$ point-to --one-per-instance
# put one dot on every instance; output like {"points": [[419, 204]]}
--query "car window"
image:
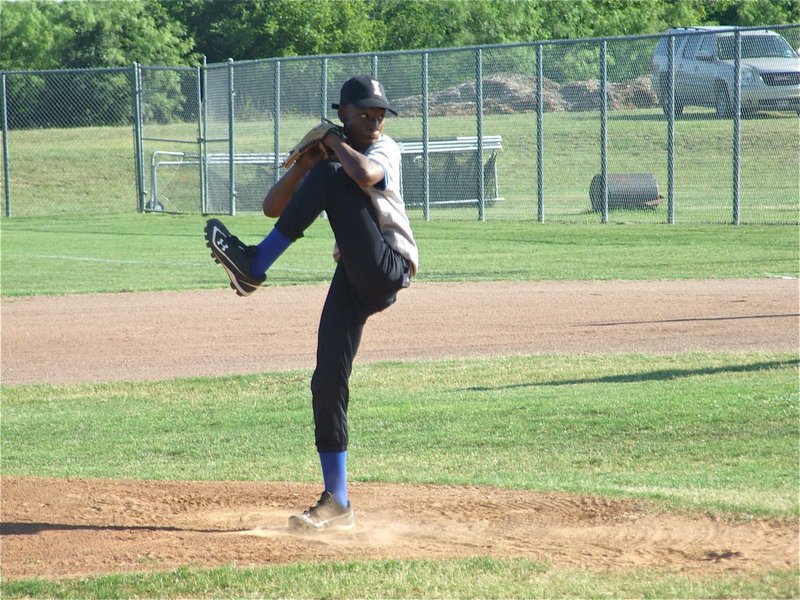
{"points": [[755, 46], [707, 44], [691, 46]]}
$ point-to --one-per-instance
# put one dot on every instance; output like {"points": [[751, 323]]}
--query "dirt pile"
{"points": [[508, 93]]}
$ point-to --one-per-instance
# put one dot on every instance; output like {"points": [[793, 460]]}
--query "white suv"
{"points": [[704, 69]]}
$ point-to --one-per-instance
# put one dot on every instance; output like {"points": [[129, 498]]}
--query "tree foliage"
{"points": [[43, 34], [27, 36], [269, 28], [410, 24]]}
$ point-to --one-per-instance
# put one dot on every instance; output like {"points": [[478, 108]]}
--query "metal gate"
{"points": [[169, 150], [199, 161]]}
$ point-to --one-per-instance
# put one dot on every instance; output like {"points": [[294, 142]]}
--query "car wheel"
{"points": [[722, 102]]}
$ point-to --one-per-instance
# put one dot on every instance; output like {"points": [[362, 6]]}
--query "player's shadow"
{"points": [[10, 528], [657, 375]]}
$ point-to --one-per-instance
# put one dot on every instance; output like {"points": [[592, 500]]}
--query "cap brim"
{"points": [[370, 104]]}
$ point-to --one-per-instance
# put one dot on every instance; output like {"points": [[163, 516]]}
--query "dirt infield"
{"points": [[57, 528], [151, 336]]}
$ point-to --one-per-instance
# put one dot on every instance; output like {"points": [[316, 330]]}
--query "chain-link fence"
{"points": [[699, 125], [67, 142]]}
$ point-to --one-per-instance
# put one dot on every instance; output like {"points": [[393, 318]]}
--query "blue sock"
{"points": [[268, 251], [334, 473]]}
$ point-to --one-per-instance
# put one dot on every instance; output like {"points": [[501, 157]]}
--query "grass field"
{"points": [[619, 426], [80, 254], [49, 168], [616, 425], [474, 578], [612, 425]]}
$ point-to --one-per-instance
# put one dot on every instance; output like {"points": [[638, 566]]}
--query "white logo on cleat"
{"points": [[220, 243]]}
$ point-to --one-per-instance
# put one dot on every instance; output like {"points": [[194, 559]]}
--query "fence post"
{"points": [[603, 128], [276, 124], [138, 145], [324, 86], [426, 165], [231, 141], [200, 74], [671, 133], [737, 117], [479, 111], [539, 135], [6, 160], [202, 123]]}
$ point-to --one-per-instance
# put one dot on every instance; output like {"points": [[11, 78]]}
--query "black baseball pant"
{"points": [[366, 281]]}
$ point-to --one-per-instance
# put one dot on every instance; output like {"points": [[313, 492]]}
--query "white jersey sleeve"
{"points": [[388, 201]]}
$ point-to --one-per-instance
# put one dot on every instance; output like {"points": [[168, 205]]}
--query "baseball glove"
{"points": [[313, 139]]}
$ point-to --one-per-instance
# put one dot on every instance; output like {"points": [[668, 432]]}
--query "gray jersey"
{"points": [[388, 202]]}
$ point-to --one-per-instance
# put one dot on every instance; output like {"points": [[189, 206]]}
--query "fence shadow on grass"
{"points": [[658, 375], [693, 319]]}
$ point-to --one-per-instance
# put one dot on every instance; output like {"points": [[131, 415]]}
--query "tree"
{"points": [[27, 36], [120, 33], [754, 12], [39, 34], [44, 34], [274, 28], [416, 24]]}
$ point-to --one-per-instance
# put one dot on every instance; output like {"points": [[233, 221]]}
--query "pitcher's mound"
{"points": [[63, 528]]}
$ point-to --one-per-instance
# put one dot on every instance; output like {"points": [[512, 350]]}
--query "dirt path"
{"points": [[151, 336], [57, 528]]}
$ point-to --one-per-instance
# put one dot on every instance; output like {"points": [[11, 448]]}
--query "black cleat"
{"points": [[234, 256], [326, 515]]}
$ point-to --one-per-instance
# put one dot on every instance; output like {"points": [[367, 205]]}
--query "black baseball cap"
{"points": [[365, 92]]}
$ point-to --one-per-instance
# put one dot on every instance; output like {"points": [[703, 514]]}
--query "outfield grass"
{"points": [[446, 579], [81, 254], [692, 432], [702, 431]]}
